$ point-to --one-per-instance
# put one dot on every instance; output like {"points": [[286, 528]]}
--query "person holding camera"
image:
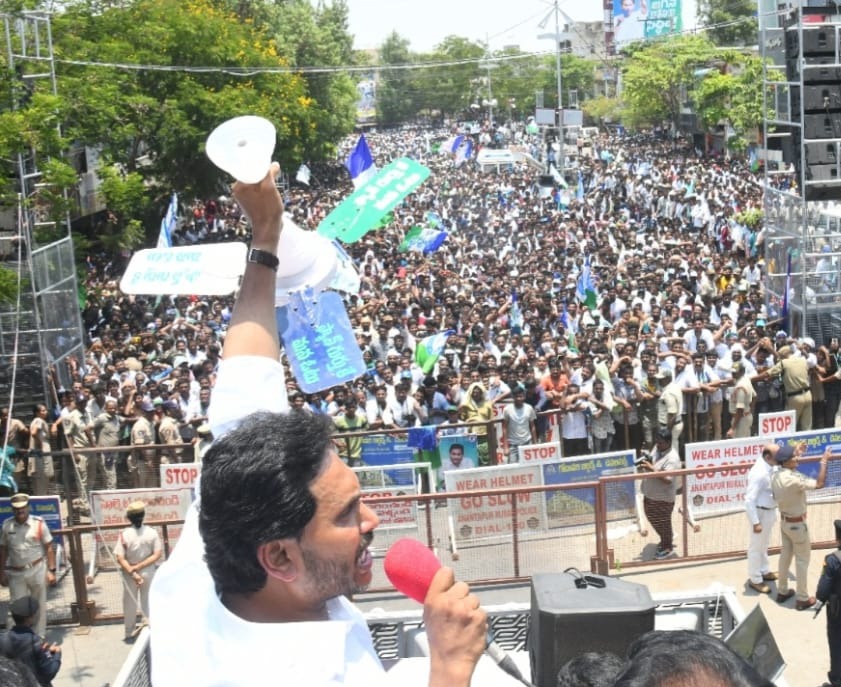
{"points": [[659, 492]]}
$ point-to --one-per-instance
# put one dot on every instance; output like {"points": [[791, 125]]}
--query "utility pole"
{"points": [[561, 153], [557, 38]]}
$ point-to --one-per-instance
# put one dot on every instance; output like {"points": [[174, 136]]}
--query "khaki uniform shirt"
{"points": [[742, 396], [169, 434], [795, 372], [136, 545], [143, 433], [789, 488], [669, 403], [24, 542]]}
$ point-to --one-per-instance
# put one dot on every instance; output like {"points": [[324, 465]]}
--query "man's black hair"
{"points": [[591, 669], [255, 488], [690, 659]]}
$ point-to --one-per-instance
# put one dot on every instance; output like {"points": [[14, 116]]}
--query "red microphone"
{"points": [[410, 567]]}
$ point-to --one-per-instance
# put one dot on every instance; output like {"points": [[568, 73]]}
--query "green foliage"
{"points": [[448, 89], [751, 218], [126, 198], [734, 97], [319, 36], [730, 22], [8, 285], [602, 109], [395, 95], [656, 74], [166, 115]]}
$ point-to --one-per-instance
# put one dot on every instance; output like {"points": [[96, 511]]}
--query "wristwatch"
{"points": [[263, 257]]}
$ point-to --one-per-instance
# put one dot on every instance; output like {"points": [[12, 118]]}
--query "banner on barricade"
{"points": [[394, 514], [457, 452], [782, 422], [389, 449], [478, 518], [576, 507], [489, 517], [46, 507], [180, 475], [109, 508], [722, 491]]}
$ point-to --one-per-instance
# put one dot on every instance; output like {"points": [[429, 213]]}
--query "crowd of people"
{"points": [[672, 329]]}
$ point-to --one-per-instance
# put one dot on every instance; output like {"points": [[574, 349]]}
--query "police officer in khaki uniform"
{"points": [[795, 375], [143, 462], [27, 557], [742, 398], [789, 488], [138, 551]]}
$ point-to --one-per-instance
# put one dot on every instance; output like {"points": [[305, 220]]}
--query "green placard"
{"points": [[362, 211]]}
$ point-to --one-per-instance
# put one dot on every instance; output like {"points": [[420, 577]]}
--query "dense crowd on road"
{"points": [[631, 301]]}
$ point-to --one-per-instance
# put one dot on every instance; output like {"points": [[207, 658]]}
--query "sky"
{"points": [[425, 23]]}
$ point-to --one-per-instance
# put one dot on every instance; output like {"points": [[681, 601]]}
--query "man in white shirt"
{"points": [[285, 535], [761, 510]]}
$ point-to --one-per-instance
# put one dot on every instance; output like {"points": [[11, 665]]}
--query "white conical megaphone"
{"points": [[243, 147], [306, 260]]}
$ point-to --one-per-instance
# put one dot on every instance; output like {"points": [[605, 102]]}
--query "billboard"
{"points": [[366, 104], [634, 20]]}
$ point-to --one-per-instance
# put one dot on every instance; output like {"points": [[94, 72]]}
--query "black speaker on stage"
{"points": [[820, 98], [816, 41], [573, 613], [826, 125], [822, 153], [815, 70]]}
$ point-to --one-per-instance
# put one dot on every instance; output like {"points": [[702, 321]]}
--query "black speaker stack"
{"points": [[573, 613], [812, 56]]}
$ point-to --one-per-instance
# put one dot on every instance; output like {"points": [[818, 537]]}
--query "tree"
{"points": [[729, 22], [657, 74], [449, 88], [319, 36], [732, 94], [602, 109], [396, 96], [166, 114]]}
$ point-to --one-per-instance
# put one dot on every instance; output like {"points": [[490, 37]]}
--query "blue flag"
{"points": [[168, 223], [579, 191], [360, 163]]}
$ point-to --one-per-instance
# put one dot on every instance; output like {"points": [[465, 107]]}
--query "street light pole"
{"points": [[561, 154], [557, 38]]}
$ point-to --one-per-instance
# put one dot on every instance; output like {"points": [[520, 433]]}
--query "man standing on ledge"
{"points": [[789, 488], [762, 512], [283, 529]]}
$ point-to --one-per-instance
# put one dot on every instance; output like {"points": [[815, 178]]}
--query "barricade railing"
{"points": [[479, 533]]}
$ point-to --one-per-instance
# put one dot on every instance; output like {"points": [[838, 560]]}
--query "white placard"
{"points": [[208, 270], [174, 475], [782, 422]]}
